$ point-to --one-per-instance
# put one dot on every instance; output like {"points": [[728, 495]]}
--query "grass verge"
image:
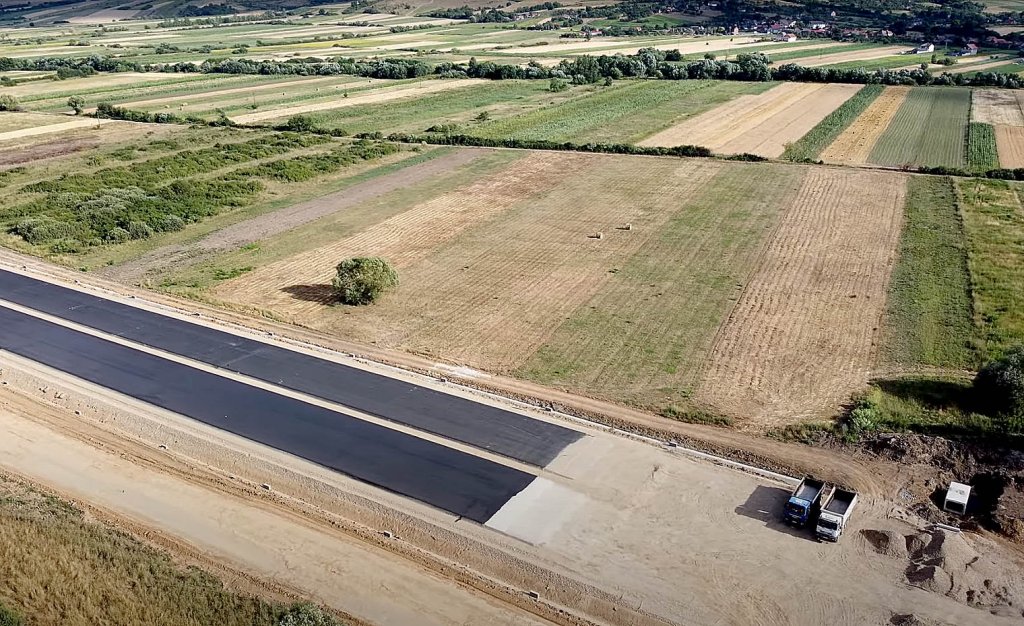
{"points": [[929, 316], [814, 142], [60, 567]]}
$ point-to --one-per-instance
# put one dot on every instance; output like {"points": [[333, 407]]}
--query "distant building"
{"points": [[818, 25], [969, 50], [885, 33], [925, 48], [787, 37]]}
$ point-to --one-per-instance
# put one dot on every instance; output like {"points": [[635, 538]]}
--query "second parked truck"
{"points": [[835, 514]]}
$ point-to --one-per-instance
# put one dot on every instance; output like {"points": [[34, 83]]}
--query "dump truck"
{"points": [[805, 502], [835, 514]]}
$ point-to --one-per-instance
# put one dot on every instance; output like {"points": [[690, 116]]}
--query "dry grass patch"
{"points": [[49, 129], [761, 124], [869, 54], [854, 146], [805, 331], [641, 338]]}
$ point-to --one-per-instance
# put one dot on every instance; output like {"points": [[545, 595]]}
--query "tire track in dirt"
{"points": [[803, 334], [854, 145]]}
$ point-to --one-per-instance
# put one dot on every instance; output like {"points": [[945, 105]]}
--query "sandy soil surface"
{"points": [[855, 144], [858, 55], [270, 224], [1010, 145], [779, 355], [49, 129], [997, 106], [761, 124], [426, 87]]}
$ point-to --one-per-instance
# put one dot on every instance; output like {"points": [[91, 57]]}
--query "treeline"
{"points": [[647, 63], [108, 111], [540, 144]]}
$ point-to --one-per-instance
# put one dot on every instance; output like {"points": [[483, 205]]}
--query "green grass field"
{"points": [[994, 223], [929, 316], [929, 129], [981, 147]]}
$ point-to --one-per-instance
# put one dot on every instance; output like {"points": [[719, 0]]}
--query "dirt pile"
{"points": [[995, 474], [948, 564]]}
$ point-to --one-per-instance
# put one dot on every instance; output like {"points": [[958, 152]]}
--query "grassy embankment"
{"points": [[58, 566], [825, 132]]}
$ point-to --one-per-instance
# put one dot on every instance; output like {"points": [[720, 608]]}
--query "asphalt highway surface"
{"points": [[452, 480], [490, 428]]}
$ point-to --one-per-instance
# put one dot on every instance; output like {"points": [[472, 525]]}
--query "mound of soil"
{"points": [[887, 542]]}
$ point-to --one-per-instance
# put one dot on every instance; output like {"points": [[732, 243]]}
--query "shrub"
{"points": [[77, 104], [307, 615], [117, 235], [43, 229], [361, 280], [999, 386], [140, 230], [300, 124], [9, 103], [172, 223]]}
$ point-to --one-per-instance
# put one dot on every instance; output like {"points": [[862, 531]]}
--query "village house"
{"points": [[925, 48]]}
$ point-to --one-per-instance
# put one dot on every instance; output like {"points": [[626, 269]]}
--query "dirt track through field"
{"points": [[996, 106], [980, 67], [1010, 145], [803, 334], [421, 89], [761, 124], [858, 55], [49, 129], [854, 145]]}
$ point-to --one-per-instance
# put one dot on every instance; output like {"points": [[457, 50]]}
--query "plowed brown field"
{"points": [[803, 334], [1010, 145], [854, 145], [761, 124]]}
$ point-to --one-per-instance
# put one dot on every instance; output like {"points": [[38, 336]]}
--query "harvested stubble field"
{"points": [[1004, 110], [929, 129], [761, 124], [500, 272], [804, 333], [855, 144], [868, 54]]}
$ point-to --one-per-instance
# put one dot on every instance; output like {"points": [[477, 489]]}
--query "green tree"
{"points": [[557, 84], [999, 387], [9, 103], [307, 615], [77, 104], [361, 280], [300, 124]]}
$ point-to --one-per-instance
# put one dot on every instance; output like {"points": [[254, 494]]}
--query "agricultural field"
{"points": [[763, 124], [1003, 111]]}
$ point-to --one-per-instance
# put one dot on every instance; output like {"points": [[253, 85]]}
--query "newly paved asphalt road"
{"points": [[503, 432], [449, 479]]}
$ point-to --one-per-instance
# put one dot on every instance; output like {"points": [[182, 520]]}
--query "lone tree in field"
{"points": [[77, 103], [362, 280], [999, 387]]}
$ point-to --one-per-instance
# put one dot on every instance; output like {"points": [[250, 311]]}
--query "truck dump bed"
{"points": [[809, 489], [840, 502]]}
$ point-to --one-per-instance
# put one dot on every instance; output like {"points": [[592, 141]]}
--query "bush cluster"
{"points": [[540, 144], [361, 280]]}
